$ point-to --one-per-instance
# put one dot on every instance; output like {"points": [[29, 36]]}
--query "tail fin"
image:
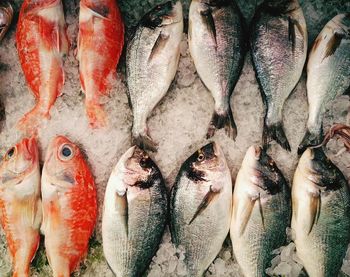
{"points": [[32, 120], [96, 115], [219, 121], [276, 132], [309, 140], [145, 142]]}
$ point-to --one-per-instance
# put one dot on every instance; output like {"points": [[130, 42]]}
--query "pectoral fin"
{"points": [[292, 25], [314, 211], [158, 46], [205, 203], [209, 22], [121, 207], [333, 44], [99, 11], [243, 210]]}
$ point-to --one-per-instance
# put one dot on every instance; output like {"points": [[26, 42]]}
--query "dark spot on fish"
{"points": [[333, 44], [154, 176]]}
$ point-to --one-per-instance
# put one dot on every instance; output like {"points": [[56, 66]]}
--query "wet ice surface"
{"points": [[179, 123]]}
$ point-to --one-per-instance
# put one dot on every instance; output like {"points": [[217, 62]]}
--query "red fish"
{"points": [[41, 43], [100, 43], [20, 204], [69, 206]]}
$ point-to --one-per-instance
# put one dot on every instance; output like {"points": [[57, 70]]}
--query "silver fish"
{"points": [[278, 43], [134, 214], [215, 37], [321, 214], [151, 62], [328, 74], [6, 15], [200, 207], [261, 212]]}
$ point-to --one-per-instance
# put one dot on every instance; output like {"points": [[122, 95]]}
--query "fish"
{"points": [[135, 213], [100, 44], [217, 47], [321, 214], [152, 57], [20, 204], [261, 212], [69, 205], [328, 74], [42, 44], [6, 16], [200, 207], [278, 44]]}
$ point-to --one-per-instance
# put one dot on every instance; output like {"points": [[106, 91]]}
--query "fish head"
{"points": [[18, 162], [263, 170], [64, 162], [6, 15], [206, 161], [139, 169], [318, 168], [164, 14]]}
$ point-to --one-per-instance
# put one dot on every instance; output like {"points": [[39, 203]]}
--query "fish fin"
{"points": [[145, 142], [315, 206], [291, 32], [96, 114], [121, 206], [99, 11], [219, 121], [158, 46], [261, 213], [32, 120], [205, 203], [209, 22], [333, 44], [242, 214], [275, 132], [309, 140]]}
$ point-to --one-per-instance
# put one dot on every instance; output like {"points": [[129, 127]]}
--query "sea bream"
{"points": [[261, 212], [321, 214], [216, 43], [41, 43], [200, 207], [328, 74], [20, 204], [278, 43], [152, 57], [134, 214], [69, 206], [100, 43]]}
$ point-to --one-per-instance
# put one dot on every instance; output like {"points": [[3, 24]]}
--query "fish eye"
{"points": [[10, 153], [143, 162], [200, 157], [66, 152]]}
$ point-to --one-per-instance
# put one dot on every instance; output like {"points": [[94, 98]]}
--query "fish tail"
{"points": [[219, 121], [96, 115], [275, 132], [145, 142], [309, 139], [33, 119]]}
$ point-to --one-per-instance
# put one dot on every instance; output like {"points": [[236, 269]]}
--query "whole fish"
{"points": [[41, 43], [69, 206], [261, 212], [20, 204], [321, 214], [215, 38], [6, 15], [152, 57], [134, 214], [278, 42], [100, 43], [328, 74], [200, 207]]}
